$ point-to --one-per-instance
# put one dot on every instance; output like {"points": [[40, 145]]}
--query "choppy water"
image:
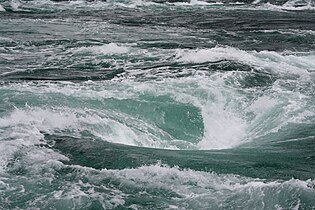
{"points": [[133, 104]]}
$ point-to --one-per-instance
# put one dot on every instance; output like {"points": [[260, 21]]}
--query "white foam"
{"points": [[136, 3], [298, 32], [44, 120], [197, 190], [15, 4], [222, 129], [176, 187], [288, 6], [294, 5], [279, 107], [264, 60], [224, 109], [1, 8], [67, 193], [224, 126], [196, 2], [23, 129], [256, 2], [237, 3], [262, 104], [107, 49]]}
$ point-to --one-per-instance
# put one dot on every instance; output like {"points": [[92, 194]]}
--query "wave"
{"points": [[292, 5], [2, 9], [264, 60], [194, 3], [217, 108], [44, 6], [195, 189], [272, 7], [47, 5], [202, 189], [107, 49], [220, 98], [223, 128], [33, 123], [161, 186], [296, 32], [214, 110]]}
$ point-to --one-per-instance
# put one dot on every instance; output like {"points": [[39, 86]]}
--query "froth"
{"points": [[22, 129], [264, 60], [15, 4], [170, 187], [293, 5], [107, 49], [228, 115], [198, 189], [223, 130], [223, 127], [1, 8]]}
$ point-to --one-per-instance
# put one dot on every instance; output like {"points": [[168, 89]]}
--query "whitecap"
{"points": [[264, 60], [1, 8], [107, 49], [291, 5]]}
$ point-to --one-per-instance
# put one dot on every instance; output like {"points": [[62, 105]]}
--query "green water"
{"points": [[144, 105]]}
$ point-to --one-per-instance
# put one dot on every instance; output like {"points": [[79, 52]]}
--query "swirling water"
{"points": [[134, 104]]}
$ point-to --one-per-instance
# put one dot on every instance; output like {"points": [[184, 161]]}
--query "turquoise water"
{"points": [[145, 105]]}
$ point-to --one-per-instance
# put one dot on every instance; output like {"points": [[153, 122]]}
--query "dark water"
{"points": [[144, 105]]}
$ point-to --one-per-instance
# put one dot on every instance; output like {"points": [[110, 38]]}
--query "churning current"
{"points": [[157, 104]]}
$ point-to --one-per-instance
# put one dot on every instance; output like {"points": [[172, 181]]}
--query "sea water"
{"points": [[134, 104]]}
